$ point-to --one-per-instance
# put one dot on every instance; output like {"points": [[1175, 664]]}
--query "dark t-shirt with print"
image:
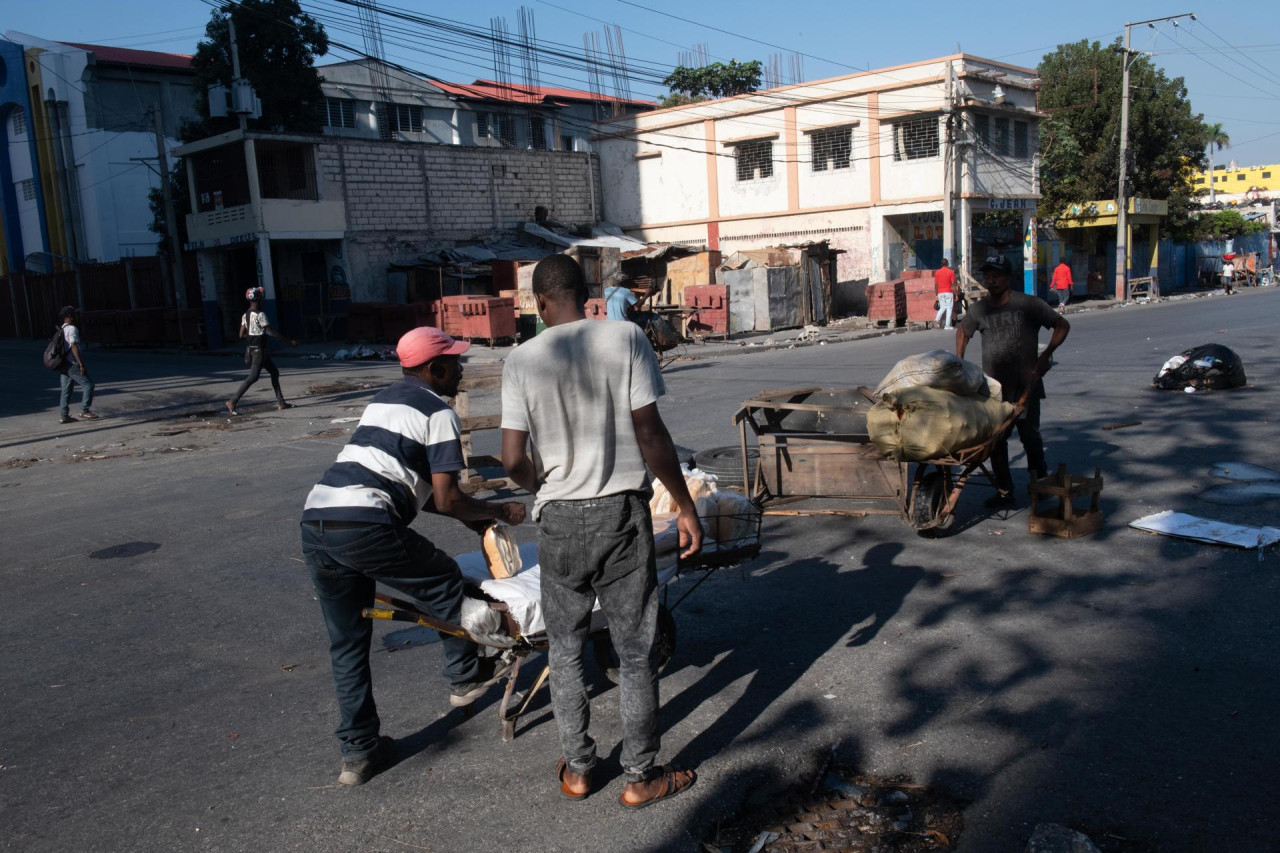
{"points": [[1010, 335]]}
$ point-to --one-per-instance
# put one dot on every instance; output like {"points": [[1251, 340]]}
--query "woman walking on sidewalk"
{"points": [[255, 326]]}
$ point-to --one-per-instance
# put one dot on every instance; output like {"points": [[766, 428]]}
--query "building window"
{"points": [[498, 126], [28, 189], [1199, 180], [982, 128], [537, 133], [1239, 177], [1000, 136], [754, 160], [566, 143], [403, 118], [1021, 140], [19, 122], [338, 112], [831, 148], [916, 139], [1266, 175]]}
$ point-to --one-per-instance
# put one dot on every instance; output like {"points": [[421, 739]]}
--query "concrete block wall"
{"points": [[457, 193]]}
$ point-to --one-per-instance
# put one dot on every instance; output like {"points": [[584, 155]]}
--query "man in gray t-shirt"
{"points": [[579, 424], [1010, 325]]}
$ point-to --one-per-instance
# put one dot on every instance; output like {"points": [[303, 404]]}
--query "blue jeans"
{"points": [[602, 548], [72, 375], [345, 565]]}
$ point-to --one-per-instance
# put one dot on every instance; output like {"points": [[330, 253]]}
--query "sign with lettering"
{"points": [[1010, 203]]}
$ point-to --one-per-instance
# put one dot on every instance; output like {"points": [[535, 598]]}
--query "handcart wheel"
{"points": [[665, 643], [928, 501]]}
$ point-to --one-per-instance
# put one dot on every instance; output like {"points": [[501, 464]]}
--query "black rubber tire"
{"points": [[665, 641], [726, 464], [927, 500]]}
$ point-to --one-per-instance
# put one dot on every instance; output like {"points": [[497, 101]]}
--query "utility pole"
{"points": [[948, 174], [1122, 201], [170, 215], [235, 65]]}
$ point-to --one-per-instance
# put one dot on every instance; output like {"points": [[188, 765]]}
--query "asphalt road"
{"points": [[165, 683]]}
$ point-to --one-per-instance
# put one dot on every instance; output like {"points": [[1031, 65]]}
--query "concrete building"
{"points": [[893, 166], [1234, 184], [317, 220], [369, 99], [76, 130]]}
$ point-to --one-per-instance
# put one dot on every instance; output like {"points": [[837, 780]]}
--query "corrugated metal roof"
{"points": [[129, 56]]}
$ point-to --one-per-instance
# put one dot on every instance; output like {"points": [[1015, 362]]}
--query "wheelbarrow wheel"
{"points": [[928, 501], [664, 641]]}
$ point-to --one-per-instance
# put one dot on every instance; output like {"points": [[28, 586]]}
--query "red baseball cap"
{"points": [[420, 345]]}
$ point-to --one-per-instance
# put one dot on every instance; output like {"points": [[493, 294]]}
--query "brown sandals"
{"points": [[674, 782], [567, 792]]}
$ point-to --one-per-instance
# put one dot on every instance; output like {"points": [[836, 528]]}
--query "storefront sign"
{"points": [[219, 241], [1011, 204]]}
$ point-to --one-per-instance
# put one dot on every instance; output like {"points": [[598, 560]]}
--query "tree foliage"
{"points": [[1224, 224], [1080, 140], [278, 44], [716, 80], [181, 204]]}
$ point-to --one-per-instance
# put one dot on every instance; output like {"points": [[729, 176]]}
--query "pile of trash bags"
{"points": [[1209, 367], [934, 405]]}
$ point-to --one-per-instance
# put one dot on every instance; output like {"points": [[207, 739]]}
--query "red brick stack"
{"points": [[920, 295], [711, 302], [887, 302]]}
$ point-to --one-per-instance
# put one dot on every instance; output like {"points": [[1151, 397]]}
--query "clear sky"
{"points": [[1230, 57]]}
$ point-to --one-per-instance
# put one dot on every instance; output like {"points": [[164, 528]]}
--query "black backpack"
{"points": [[55, 354]]}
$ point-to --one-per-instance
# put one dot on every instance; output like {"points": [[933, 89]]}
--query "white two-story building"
{"points": [[876, 162]]}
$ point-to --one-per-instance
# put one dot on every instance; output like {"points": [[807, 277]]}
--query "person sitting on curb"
{"points": [[255, 326], [74, 371]]}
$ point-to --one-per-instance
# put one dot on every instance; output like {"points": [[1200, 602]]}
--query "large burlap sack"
{"points": [[939, 369], [922, 423]]}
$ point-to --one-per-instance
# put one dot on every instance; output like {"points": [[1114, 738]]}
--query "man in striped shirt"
{"points": [[406, 453]]}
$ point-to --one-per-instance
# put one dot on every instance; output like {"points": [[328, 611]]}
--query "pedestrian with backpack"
{"points": [[65, 356], [255, 326]]}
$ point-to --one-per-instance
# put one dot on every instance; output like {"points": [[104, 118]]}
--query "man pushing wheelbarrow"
{"points": [[1010, 325]]}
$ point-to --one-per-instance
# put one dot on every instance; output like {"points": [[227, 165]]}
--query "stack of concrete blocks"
{"points": [[919, 291]]}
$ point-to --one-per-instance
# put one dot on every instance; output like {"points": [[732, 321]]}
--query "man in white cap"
{"points": [[405, 454]]}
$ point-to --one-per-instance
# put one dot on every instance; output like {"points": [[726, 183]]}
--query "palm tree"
{"points": [[1218, 139]]}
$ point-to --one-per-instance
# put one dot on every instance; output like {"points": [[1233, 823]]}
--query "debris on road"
{"points": [[847, 812], [1124, 425], [1180, 525], [1208, 367]]}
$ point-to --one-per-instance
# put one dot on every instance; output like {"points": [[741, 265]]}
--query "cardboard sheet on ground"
{"points": [[1180, 525]]}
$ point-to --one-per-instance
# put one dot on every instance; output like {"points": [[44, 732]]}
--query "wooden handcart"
{"points": [[813, 443]]}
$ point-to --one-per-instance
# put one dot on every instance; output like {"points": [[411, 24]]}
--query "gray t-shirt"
{"points": [[573, 389], [1010, 336]]}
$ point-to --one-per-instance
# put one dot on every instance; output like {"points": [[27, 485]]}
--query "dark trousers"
{"points": [[345, 563], [1028, 427], [261, 361], [71, 375], [602, 548]]}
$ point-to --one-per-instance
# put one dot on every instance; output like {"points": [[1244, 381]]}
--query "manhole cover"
{"points": [[846, 812], [128, 549]]}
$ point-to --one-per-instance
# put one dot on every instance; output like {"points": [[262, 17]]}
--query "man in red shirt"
{"points": [[944, 284], [1062, 284]]}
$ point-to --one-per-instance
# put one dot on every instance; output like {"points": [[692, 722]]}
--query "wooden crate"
{"points": [[1064, 518]]}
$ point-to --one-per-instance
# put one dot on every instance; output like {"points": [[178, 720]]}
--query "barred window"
{"points": [[405, 118], [916, 139], [338, 112], [754, 159], [982, 128], [28, 189], [19, 122], [1000, 136], [537, 133], [831, 148], [498, 126], [1021, 138]]}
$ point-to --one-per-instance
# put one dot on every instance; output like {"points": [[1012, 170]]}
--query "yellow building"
{"points": [[1241, 180]]}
